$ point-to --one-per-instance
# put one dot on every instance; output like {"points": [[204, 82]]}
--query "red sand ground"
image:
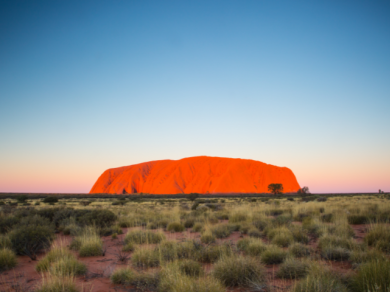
{"points": [[100, 268], [201, 174]]}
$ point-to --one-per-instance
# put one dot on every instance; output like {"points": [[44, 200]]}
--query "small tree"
{"points": [[193, 196], [276, 189], [303, 191], [22, 198]]}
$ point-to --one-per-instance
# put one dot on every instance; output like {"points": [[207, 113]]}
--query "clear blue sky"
{"points": [[90, 85]]}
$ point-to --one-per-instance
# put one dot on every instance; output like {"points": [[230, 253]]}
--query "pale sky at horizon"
{"points": [[91, 85]]}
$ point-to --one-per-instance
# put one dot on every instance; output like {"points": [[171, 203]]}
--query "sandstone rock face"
{"points": [[201, 174]]}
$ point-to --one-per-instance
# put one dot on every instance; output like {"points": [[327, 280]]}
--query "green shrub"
{"points": [[57, 284], [29, 239], [337, 241], [142, 237], [7, 259], [197, 227], [50, 200], [299, 234], [359, 256], [238, 216], [212, 253], [167, 250], [129, 246], [293, 269], [189, 223], [357, 219], [56, 253], [7, 223], [253, 232], [327, 217], [122, 276], [378, 233], [5, 242], [239, 271], [191, 268], [22, 198], [175, 227], [173, 279], [145, 258], [114, 236], [88, 243], [373, 276], [99, 218], [255, 247], [273, 255], [283, 239], [146, 280], [220, 230], [335, 253], [68, 267], [299, 250], [207, 237], [322, 281]]}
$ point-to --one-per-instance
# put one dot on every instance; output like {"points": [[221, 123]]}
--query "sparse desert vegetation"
{"points": [[308, 243]]}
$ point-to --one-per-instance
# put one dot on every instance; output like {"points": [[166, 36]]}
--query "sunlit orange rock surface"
{"points": [[201, 174]]}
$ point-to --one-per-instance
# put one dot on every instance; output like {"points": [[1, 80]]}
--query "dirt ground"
{"points": [[24, 278]]}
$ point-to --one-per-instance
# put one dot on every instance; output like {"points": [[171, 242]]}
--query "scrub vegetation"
{"points": [[297, 243]]}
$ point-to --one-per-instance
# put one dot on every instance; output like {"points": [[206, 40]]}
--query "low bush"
{"points": [[239, 271], [197, 227], [57, 284], [68, 267], [373, 276], [167, 250], [320, 281], [220, 230], [7, 259], [379, 234], [283, 239], [212, 253], [357, 219], [359, 256], [88, 243], [5, 242], [145, 258], [144, 237], [293, 269], [238, 216], [273, 255], [299, 250], [130, 246], [98, 218], [191, 268], [337, 241], [207, 237], [175, 227], [189, 222], [173, 279], [122, 276], [50, 200], [327, 217], [299, 234], [335, 253], [31, 235], [253, 232]]}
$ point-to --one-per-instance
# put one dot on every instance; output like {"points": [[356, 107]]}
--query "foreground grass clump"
{"points": [[251, 246], [293, 269], [320, 280], [379, 236], [146, 258], [173, 279], [61, 262], [299, 250], [144, 237], [373, 276], [7, 259], [58, 284], [88, 243], [273, 255], [122, 276], [239, 271], [175, 227], [191, 268]]}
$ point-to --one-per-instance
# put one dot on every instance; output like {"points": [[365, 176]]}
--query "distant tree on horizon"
{"points": [[304, 191], [276, 189]]}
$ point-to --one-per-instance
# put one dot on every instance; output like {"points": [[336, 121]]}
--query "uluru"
{"points": [[202, 174]]}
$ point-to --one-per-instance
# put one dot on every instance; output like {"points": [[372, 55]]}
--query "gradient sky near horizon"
{"points": [[91, 85]]}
